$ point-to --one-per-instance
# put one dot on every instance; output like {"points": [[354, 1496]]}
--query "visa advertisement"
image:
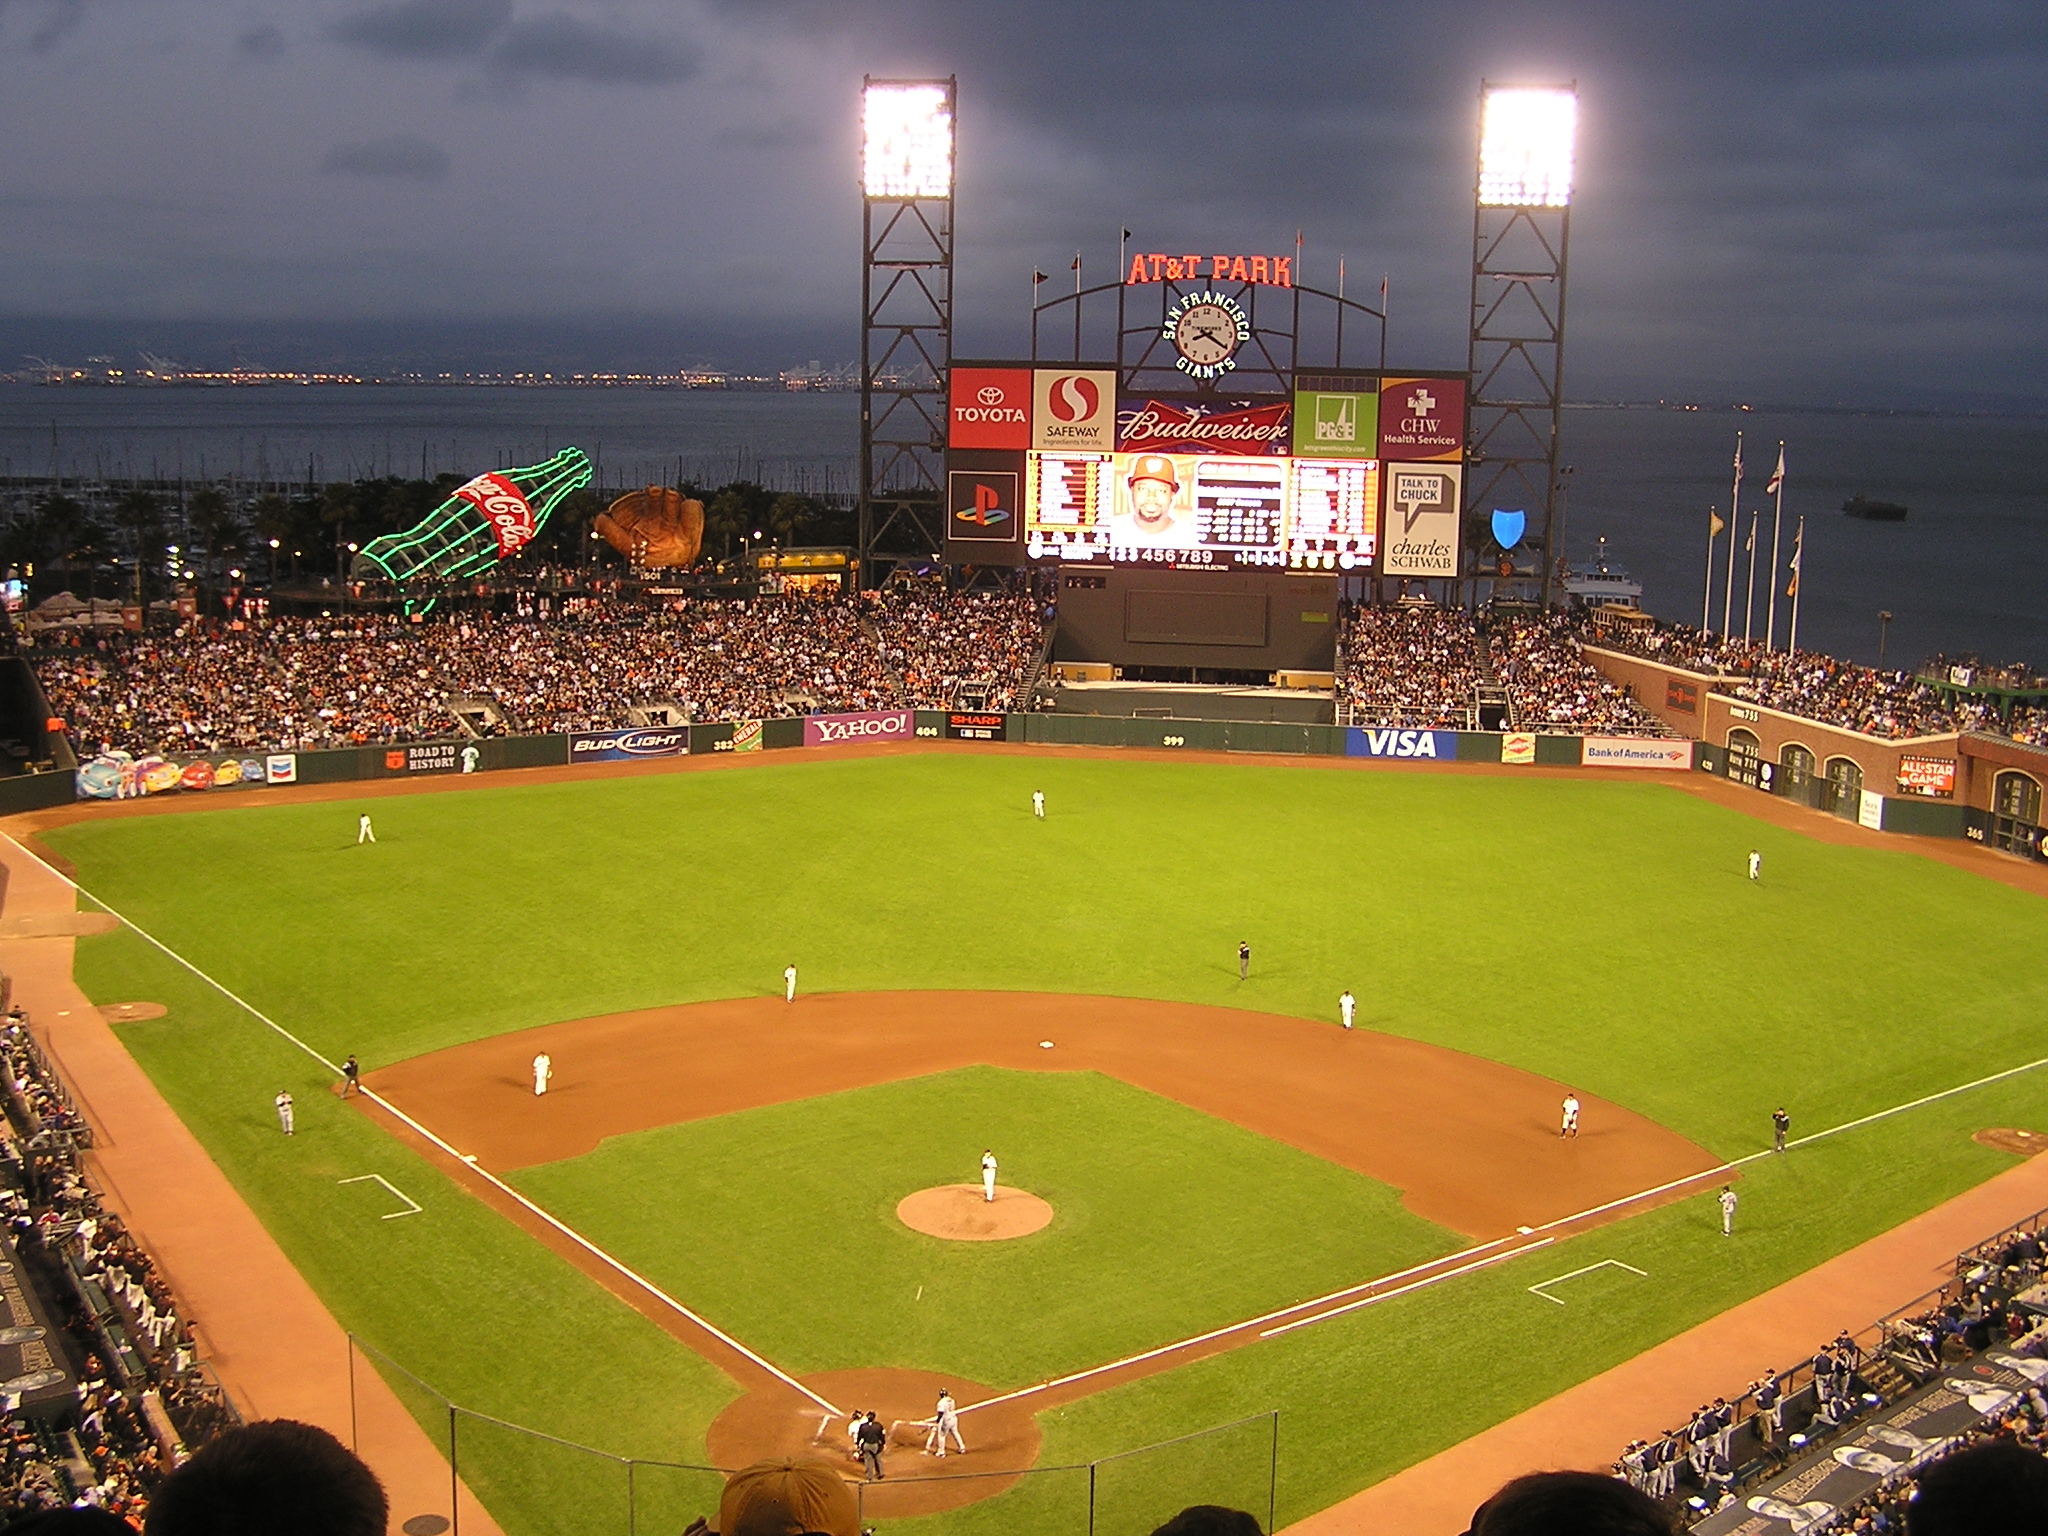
{"points": [[1427, 746]]}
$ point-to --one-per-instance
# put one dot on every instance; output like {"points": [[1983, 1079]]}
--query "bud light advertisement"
{"points": [[875, 725], [629, 746]]}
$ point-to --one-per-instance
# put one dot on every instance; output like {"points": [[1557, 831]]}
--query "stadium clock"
{"points": [[1206, 329]]}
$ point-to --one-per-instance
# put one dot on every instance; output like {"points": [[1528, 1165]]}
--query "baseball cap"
{"points": [[1154, 466], [788, 1496]]}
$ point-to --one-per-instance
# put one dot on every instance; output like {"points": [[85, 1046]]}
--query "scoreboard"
{"points": [[1186, 511]]}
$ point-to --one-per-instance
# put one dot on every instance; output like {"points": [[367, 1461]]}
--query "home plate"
{"points": [[1045, 1045]]}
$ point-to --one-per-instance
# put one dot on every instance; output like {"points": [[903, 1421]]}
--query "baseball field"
{"points": [[1215, 1151]]}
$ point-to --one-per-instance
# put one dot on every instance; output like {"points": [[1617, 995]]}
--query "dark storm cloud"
{"points": [[1793, 201], [425, 29], [402, 156], [264, 42], [51, 20], [567, 48]]}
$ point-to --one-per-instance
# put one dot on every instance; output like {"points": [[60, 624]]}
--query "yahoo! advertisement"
{"points": [[874, 725]]}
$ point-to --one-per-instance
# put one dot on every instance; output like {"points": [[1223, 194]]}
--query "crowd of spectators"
{"points": [[1412, 665], [1890, 704], [1555, 688], [287, 684], [1702, 1460], [141, 1393]]}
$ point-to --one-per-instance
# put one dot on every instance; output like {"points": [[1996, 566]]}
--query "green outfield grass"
{"points": [[1167, 1223], [1599, 932]]}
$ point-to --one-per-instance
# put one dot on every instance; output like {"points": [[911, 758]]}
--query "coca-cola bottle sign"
{"points": [[504, 508]]}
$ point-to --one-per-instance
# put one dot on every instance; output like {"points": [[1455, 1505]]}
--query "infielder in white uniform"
{"points": [[988, 1176], [1571, 1115], [945, 1421], [789, 982], [1727, 1211], [1346, 1006], [543, 1069], [284, 1110], [1038, 803], [363, 832]]}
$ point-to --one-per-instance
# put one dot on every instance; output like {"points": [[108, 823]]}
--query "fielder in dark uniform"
{"points": [[1244, 960], [1780, 1124], [351, 1077]]}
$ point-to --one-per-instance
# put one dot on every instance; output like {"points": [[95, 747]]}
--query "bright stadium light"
{"points": [[907, 139], [1525, 147]]}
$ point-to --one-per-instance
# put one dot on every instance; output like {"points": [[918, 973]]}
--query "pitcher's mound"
{"points": [[958, 1211], [2026, 1143]]}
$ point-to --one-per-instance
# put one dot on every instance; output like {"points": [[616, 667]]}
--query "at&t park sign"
{"points": [[1157, 266]]}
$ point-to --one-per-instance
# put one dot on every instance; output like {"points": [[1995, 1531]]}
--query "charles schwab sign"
{"points": [[875, 725]]}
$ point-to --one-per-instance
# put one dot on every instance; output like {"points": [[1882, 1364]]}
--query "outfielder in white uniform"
{"points": [[1346, 1006], [543, 1069], [1756, 863], [988, 1176], [1038, 803], [284, 1110], [363, 832], [789, 982], [1571, 1115]]}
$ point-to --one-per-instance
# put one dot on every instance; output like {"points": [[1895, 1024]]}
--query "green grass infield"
{"points": [[1601, 932]]}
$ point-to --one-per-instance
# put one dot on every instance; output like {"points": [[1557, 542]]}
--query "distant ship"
{"points": [[1875, 511], [1602, 583]]}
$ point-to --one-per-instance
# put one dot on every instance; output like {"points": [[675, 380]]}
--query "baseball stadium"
{"points": [[1196, 961]]}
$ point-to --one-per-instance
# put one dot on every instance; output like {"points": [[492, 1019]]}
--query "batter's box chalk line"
{"points": [[1543, 1291], [413, 1207]]}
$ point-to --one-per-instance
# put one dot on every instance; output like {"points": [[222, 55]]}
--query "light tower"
{"points": [[906, 306], [1521, 238]]}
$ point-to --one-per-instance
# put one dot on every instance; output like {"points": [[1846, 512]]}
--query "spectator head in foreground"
{"points": [[274, 1476], [788, 1496], [1987, 1490], [1209, 1520], [1570, 1504]]}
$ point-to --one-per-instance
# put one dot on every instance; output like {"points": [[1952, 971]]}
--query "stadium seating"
{"points": [[142, 1395], [295, 683]]}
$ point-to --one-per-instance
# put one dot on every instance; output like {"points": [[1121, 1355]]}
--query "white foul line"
{"points": [[467, 1161], [1538, 1290], [1412, 1285], [408, 1199]]}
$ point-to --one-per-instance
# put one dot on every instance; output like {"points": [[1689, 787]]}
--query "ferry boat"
{"points": [[1602, 582]]}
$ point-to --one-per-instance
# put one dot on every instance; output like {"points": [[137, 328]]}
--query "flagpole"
{"points": [[1777, 524], [1798, 571], [1707, 597], [1734, 522], [1749, 597]]}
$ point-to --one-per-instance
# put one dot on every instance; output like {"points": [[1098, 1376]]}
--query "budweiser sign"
{"points": [[1160, 428], [509, 513]]}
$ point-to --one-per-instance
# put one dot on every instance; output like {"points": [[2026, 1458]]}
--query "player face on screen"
{"points": [[1153, 512]]}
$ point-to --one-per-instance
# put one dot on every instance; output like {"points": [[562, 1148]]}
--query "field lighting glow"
{"points": [[906, 141], [1525, 148]]}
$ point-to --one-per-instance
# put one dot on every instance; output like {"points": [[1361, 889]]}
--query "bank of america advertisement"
{"points": [[1420, 536]]}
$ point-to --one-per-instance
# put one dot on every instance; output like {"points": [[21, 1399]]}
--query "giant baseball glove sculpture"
{"points": [[654, 527]]}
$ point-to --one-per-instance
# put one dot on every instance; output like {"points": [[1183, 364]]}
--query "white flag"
{"points": [[1797, 544], [1778, 474]]}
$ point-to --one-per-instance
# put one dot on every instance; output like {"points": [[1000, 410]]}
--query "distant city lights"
{"points": [[1525, 147]]}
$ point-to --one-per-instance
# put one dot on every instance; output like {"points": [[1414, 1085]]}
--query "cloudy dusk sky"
{"points": [[1808, 203]]}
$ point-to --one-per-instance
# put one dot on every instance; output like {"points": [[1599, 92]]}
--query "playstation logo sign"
{"points": [[981, 505]]}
